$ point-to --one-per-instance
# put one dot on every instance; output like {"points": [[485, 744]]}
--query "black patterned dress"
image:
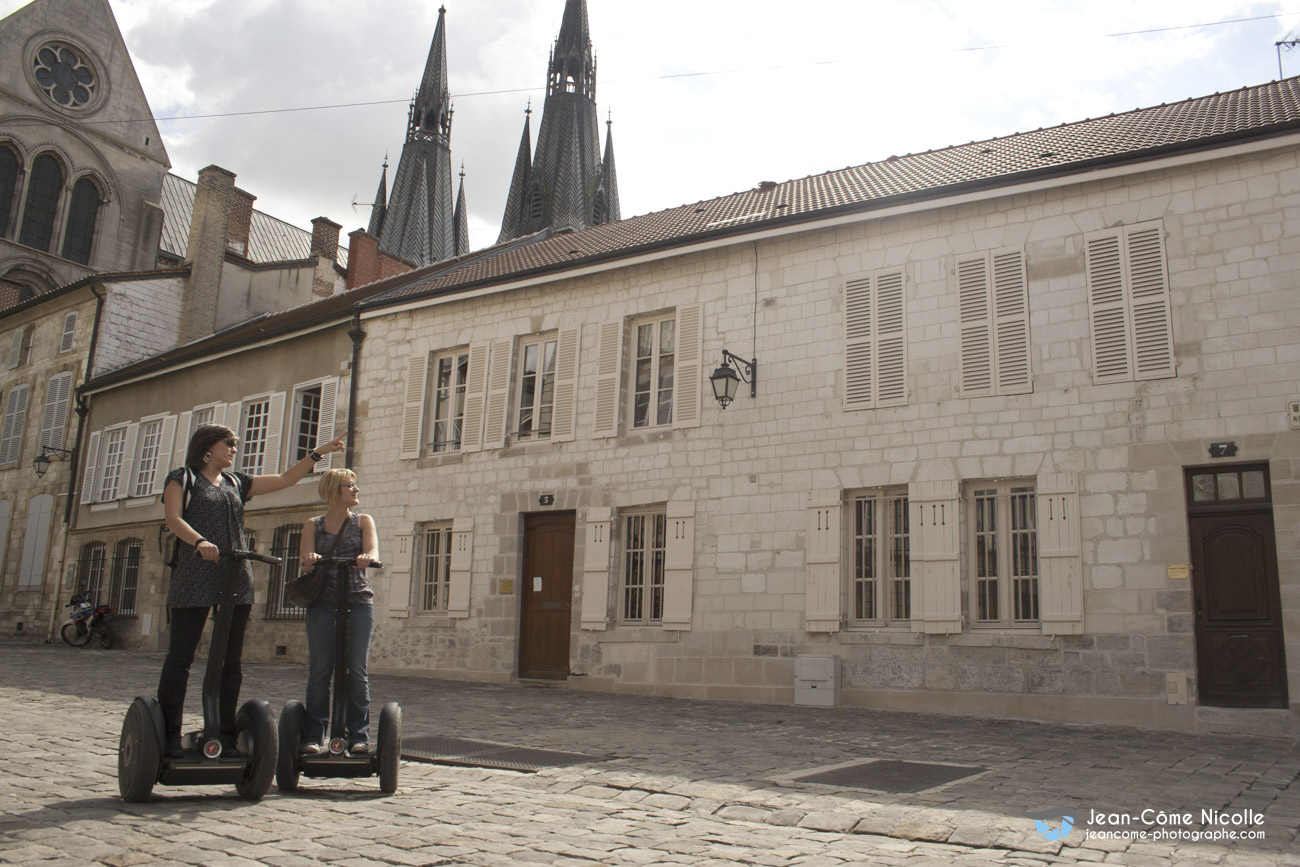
{"points": [[216, 512]]}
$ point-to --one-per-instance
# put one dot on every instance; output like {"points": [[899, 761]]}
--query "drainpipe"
{"points": [[357, 336]]}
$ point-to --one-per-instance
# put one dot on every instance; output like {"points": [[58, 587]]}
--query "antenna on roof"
{"points": [[1290, 42]]}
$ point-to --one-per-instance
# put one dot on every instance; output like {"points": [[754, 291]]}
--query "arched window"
{"points": [[42, 203], [8, 185], [80, 234], [90, 570], [126, 577]]}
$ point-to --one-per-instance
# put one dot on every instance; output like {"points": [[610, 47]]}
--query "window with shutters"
{"points": [[261, 427], [645, 540], [125, 581], [993, 313], [11, 430], [20, 346], [875, 340], [536, 377], [68, 339], [1003, 544], [148, 445], [882, 560], [111, 456], [54, 420], [1129, 304], [90, 570], [312, 422], [654, 354], [447, 407], [434, 557]]}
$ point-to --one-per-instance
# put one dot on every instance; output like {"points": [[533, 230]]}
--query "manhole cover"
{"points": [[893, 777], [483, 754]]}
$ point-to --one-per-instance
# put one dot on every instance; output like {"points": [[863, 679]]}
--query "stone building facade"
{"points": [[1022, 442]]}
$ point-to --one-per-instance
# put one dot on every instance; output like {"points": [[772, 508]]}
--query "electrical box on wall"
{"points": [[817, 681]]}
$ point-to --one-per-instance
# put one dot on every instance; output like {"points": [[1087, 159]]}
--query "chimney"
{"points": [[205, 252], [325, 238], [241, 217], [363, 258]]}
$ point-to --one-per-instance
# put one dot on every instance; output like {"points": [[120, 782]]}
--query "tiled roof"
{"points": [[1142, 134], [269, 239]]}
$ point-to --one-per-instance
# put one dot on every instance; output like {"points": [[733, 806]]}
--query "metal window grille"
{"points": [[652, 392], [882, 563], [435, 572], [125, 581], [284, 544], [90, 570], [986, 555], [147, 463], [309, 401], [643, 573], [253, 441], [1005, 535], [1024, 555]]}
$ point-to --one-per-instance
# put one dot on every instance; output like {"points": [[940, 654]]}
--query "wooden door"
{"points": [[546, 609], [1240, 658]]}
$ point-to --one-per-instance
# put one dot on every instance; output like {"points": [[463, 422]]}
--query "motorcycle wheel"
{"points": [[105, 633], [75, 634]]}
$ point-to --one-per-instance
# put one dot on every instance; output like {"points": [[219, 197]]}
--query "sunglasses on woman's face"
{"points": [[231, 442]]}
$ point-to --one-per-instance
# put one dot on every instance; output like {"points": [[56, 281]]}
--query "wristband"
{"points": [[199, 541], [316, 457]]}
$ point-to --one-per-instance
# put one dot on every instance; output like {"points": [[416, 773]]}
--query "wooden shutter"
{"points": [[125, 486], [975, 326], [595, 568], [219, 413], [36, 539], [1011, 323], [609, 374], [935, 527], [875, 341], [471, 432], [69, 336], [90, 468], [329, 399], [822, 550], [11, 430], [679, 565], [399, 576], [689, 375], [55, 418], [1153, 335], [166, 444], [417, 375], [462, 549], [6, 509], [1107, 309], [891, 340], [859, 355], [497, 409], [1060, 570], [566, 385], [1129, 304], [274, 434], [182, 440], [16, 348]]}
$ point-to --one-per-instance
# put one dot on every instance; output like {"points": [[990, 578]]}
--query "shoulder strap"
{"points": [[187, 485]]}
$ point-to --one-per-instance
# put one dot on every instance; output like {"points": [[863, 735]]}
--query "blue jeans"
{"points": [[320, 671]]}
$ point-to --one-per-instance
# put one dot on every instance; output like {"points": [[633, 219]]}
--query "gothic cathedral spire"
{"points": [[418, 223], [565, 187]]}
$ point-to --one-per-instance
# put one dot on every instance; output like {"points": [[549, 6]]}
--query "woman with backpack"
{"points": [[203, 504]]}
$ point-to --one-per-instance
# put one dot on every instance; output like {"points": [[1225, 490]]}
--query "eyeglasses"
{"points": [[231, 442], [351, 485]]}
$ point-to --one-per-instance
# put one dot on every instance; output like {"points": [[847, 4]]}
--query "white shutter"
{"points": [[1107, 309], [822, 549], [609, 373], [1153, 336], [935, 527], [1060, 570], [975, 324], [462, 549], [417, 375], [329, 399], [859, 355], [90, 468], [471, 432], [688, 376], [166, 444], [1011, 322], [181, 441], [11, 430], [891, 340], [125, 484], [498, 395], [68, 340], [595, 568], [566, 385], [679, 565], [16, 348], [53, 435], [399, 576], [36, 539], [219, 413], [274, 434]]}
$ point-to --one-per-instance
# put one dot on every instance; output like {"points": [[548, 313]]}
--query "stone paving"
{"points": [[680, 782]]}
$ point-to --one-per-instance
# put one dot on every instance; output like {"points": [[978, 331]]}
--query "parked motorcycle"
{"points": [[88, 621]]}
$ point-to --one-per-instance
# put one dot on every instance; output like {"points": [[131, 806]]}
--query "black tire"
{"points": [[390, 746], [286, 767], [139, 753], [75, 634], [258, 744], [105, 634]]}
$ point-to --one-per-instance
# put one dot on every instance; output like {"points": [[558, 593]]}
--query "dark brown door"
{"points": [[547, 587], [1240, 659]]}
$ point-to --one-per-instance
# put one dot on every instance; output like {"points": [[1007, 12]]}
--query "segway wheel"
{"points": [[390, 746], [75, 634], [255, 728], [286, 767], [139, 753], [106, 635]]}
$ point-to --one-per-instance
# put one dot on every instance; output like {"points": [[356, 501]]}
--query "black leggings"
{"points": [[187, 629]]}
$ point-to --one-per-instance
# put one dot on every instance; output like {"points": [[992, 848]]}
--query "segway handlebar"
{"points": [[253, 555], [348, 561]]}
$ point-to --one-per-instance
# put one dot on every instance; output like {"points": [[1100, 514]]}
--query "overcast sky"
{"points": [[707, 96]]}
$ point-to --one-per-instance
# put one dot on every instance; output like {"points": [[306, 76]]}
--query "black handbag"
{"points": [[306, 588]]}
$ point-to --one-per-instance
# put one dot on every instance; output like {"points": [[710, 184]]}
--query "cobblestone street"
{"points": [[670, 782]]}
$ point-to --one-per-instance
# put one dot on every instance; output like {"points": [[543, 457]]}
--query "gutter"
{"points": [[357, 336]]}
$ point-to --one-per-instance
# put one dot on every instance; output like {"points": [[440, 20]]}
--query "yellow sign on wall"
{"points": [[1178, 570]]}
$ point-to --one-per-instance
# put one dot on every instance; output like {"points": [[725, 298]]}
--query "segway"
{"points": [[337, 761], [141, 761]]}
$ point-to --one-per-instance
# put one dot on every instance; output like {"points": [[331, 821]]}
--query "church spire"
{"points": [[606, 209], [380, 205], [462, 217], [513, 224]]}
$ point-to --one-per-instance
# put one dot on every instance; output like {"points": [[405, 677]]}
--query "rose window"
{"points": [[64, 75]]}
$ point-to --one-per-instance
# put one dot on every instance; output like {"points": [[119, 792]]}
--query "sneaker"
{"points": [[312, 749], [359, 749]]}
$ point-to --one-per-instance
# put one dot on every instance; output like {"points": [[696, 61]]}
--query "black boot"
{"points": [[173, 748]]}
